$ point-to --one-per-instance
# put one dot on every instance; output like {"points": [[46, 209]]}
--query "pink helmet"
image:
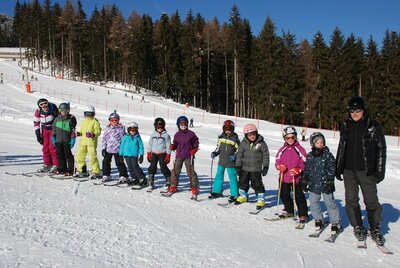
{"points": [[249, 128]]}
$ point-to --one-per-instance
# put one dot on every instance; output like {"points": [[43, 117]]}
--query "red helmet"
{"points": [[228, 125], [249, 128]]}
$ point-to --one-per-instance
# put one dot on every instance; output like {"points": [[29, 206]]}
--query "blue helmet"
{"points": [[180, 119]]}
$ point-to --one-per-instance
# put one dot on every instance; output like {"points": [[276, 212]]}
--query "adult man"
{"points": [[361, 159]]}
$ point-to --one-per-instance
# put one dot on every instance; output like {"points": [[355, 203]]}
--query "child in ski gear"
{"points": [[90, 131], [158, 151], [43, 122], [132, 150], [186, 144], [64, 139], [252, 162], [361, 159], [227, 147], [318, 178], [290, 162], [111, 142]]}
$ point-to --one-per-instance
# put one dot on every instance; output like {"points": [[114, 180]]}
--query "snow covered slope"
{"points": [[52, 223]]}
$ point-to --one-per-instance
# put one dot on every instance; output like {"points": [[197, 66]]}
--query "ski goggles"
{"points": [[43, 104], [357, 111], [114, 120], [288, 138]]}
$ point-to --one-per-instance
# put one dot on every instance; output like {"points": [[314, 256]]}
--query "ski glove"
{"points": [[72, 142], [90, 135], [329, 187], [232, 157], [167, 159], [193, 151], [149, 157], [103, 152], [339, 177], [264, 172], [214, 155], [281, 168], [172, 147], [78, 134], [38, 136], [379, 176], [295, 171], [238, 171], [53, 141], [140, 159]]}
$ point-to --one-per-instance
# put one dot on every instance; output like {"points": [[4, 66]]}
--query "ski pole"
{"points": [[211, 177], [294, 197], [279, 193]]}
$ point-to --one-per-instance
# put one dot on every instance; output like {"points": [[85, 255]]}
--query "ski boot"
{"points": [[377, 236], [243, 197], [44, 168], [360, 233], [232, 199], [215, 195], [319, 224], [106, 178], [195, 192], [260, 201]]}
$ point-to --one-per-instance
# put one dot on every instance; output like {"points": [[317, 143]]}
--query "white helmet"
{"points": [[289, 130], [89, 111], [132, 125]]}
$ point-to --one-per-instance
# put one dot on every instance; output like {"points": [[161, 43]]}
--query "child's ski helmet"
{"points": [[133, 125], [289, 130], [89, 111], [314, 137], [42, 101], [113, 115], [64, 107], [249, 128], [159, 121], [182, 118], [228, 124]]}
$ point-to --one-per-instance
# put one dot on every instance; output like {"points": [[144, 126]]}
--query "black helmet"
{"points": [[355, 103], [42, 102], [64, 107], [159, 121], [314, 136]]}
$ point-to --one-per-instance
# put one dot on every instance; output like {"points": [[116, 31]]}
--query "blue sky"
{"points": [[303, 18]]}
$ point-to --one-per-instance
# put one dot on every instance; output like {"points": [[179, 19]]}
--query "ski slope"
{"points": [[52, 223]]}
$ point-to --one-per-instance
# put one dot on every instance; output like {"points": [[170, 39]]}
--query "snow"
{"points": [[52, 223]]}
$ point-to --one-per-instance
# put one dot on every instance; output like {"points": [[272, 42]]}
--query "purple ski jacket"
{"points": [[112, 137], [291, 156], [184, 141]]}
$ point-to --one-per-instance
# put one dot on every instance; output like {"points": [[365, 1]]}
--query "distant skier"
{"points": [[227, 147], [252, 163], [319, 179], [43, 121], [191, 122], [64, 139], [142, 100], [303, 134], [1, 78], [90, 131]]}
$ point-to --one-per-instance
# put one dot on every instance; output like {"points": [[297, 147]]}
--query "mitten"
{"points": [[149, 156], [172, 147], [38, 136], [193, 151], [90, 135], [379, 176], [53, 141], [329, 187], [167, 159], [140, 159], [264, 171], [103, 152], [72, 143], [338, 177], [214, 155], [281, 168], [295, 171]]}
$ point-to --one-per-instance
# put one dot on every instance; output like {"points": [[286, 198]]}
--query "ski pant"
{"points": [[329, 200], [193, 180], [287, 200], [353, 181], [49, 151], [135, 171], [65, 157], [159, 158], [81, 158], [119, 162], [219, 180], [256, 182]]}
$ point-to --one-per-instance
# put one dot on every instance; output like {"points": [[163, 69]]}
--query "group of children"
{"points": [[247, 159], [299, 172]]}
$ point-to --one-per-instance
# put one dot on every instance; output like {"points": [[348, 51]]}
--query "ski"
{"points": [[149, 189], [362, 244], [384, 249], [332, 237], [226, 204], [300, 225], [256, 211], [317, 233], [279, 218], [81, 179], [28, 174], [138, 187], [167, 194], [98, 182], [111, 183], [60, 177]]}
